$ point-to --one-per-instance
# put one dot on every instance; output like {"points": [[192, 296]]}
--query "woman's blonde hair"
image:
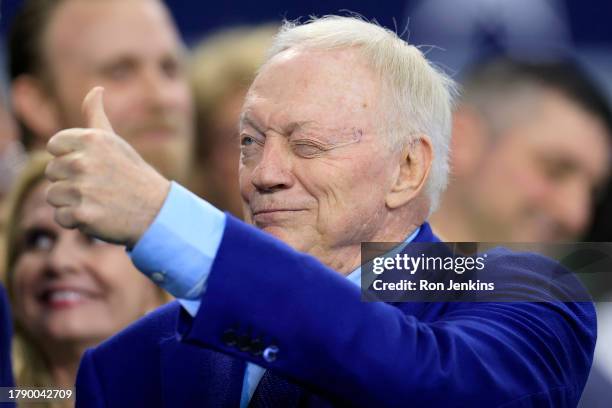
{"points": [[29, 362]]}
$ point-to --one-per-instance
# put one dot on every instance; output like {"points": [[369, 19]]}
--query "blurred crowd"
{"points": [[530, 156]]}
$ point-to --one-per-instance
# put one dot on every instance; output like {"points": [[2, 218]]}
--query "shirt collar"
{"points": [[355, 276]]}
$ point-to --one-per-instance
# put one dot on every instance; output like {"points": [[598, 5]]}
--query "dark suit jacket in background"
{"points": [[339, 350], [6, 374]]}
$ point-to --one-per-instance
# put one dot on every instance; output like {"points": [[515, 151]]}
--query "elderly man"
{"points": [[344, 137], [59, 49]]}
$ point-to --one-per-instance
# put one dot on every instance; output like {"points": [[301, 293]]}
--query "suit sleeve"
{"points": [[285, 311], [89, 389]]}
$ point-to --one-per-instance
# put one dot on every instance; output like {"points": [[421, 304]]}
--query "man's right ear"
{"points": [[35, 108]]}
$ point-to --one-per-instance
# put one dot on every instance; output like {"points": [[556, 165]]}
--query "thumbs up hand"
{"points": [[99, 183]]}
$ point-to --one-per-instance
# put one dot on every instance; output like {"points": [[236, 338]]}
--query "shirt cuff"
{"points": [[178, 249]]}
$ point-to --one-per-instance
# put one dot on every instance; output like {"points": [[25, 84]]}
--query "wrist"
{"points": [[155, 204]]}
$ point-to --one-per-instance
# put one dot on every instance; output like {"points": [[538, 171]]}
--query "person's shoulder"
{"points": [[532, 277], [518, 259]]}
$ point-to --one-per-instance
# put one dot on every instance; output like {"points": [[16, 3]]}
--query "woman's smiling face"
{"points": [[67, 286]]}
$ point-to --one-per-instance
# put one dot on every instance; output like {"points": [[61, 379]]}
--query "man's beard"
{"points": [[172, 160], [171, 155]]}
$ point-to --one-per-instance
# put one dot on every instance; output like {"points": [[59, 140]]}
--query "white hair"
{"points": [[418, 97]]}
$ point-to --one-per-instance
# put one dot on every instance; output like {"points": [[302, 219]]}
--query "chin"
{"points": [[289, 237], [77, 332]]}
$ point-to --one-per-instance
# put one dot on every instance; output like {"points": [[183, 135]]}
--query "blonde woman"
{"points": [[68, 291]]}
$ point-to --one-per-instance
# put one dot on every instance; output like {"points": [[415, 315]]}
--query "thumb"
{"points": [[93, 109]]}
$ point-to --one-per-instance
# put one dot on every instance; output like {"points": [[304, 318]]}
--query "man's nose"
{"points": [[274, 169], [574, 208], [160, 90]]}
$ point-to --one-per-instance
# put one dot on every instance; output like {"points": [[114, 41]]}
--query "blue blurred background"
{"points": [[459, 31]]}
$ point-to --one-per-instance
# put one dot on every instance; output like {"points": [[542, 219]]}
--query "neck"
{"points": [[64, 362], [345, 259], [453, 222]]}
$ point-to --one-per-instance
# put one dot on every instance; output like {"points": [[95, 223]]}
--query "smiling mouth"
{"points": [[279, 210], [264, 217], [63, 298]]}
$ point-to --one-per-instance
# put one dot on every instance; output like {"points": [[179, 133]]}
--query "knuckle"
{"points": [[92, 136], [64, 217], [78, 165], [50, 170], [74, 191], [82, 215], [57, 141], [52, 195]]}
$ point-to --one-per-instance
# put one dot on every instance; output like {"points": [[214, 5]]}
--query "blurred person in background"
{"points": [[59, 49], [68, 291], [11, 150], [12, 156], [7, 149], [221, 70], [530, 150]]}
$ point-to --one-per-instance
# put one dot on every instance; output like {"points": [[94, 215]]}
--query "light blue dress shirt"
{"points": [[177, 252]]}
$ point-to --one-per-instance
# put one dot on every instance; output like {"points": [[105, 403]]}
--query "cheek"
{"points": [[113, 267], [125, 286], [245, 175], [512, 184], [26, 308], [346, 190], [27, 271], [529, 181], [122, 108], [183, 99]]}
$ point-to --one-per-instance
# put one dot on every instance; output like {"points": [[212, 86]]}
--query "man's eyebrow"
{"points": [[297, 126], [246, 119]]}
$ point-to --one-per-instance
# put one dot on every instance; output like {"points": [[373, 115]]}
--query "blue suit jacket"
{"points": [[6, 373], [338, 349]]}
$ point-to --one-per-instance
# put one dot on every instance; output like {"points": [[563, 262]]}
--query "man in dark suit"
{"points": [[344, 139], [6, 373]]}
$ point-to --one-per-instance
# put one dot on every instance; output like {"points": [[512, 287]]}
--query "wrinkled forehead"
{"points": [[81, 30], [315, 89], [342, 71]]}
